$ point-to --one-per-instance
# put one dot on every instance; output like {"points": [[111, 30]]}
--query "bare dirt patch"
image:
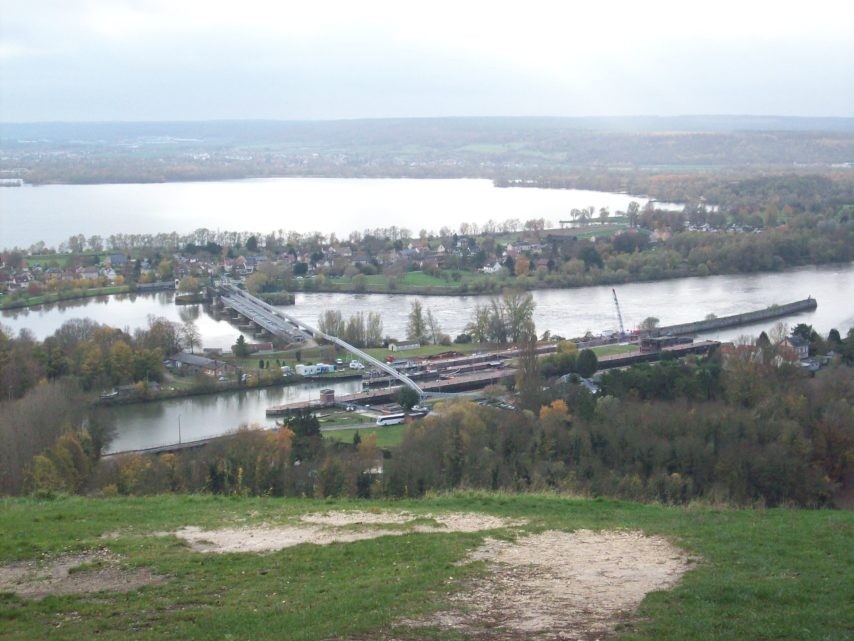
{"points": [[73, 574], [335, 527], [559, 585]]}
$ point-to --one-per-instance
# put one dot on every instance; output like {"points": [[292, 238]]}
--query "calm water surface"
{"points": [[153, 424], [568, 312], [52, 213]]}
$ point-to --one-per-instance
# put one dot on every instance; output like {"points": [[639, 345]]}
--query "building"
{"points": [[650, 344], [402, 347], [185, 363], [799, 345]]}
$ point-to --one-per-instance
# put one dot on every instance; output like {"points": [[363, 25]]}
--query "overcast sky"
{"points": [[212, 59]]}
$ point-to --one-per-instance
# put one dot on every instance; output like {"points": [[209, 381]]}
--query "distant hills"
{"points": [[416, 147]]}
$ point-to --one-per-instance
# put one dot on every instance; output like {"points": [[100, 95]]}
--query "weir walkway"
{"points": [[280, 324]]}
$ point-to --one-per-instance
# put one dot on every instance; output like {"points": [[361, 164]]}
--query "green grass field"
{"points": [[387, 436], [608, 350], [763, 574]]}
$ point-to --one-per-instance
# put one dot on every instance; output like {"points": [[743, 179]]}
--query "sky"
{"points": [[95, 60]]}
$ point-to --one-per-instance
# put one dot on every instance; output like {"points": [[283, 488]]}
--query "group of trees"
{"points": [[745, 432], [736, 428], [568, 360], [95, 355], [508, 318], [671, 432], [50, 438], [360, 330], [424, 328], [291, 461]]}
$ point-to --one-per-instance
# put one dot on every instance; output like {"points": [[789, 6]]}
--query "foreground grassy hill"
{"points": [[752, 574]]}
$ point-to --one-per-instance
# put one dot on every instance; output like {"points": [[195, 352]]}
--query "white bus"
{"points": [[392, 419]]}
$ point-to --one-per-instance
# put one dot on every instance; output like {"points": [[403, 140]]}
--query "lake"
{"points": [[52, 213]]}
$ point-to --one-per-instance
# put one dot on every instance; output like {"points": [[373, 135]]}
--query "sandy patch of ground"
{"points": [[56, 576], [341, 518], [559, 585], [334, 527]]}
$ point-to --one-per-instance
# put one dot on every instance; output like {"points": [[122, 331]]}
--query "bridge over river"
{"points": [[278, 323]]}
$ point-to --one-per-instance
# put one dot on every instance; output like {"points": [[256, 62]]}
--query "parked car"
{"points": [[356, 365]]}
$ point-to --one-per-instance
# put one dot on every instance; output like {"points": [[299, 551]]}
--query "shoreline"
{"points": [[428, 290]]}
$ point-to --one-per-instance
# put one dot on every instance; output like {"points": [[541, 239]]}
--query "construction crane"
{"points": [[619, 315]]}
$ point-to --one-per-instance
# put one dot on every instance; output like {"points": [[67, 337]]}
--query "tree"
{"points": [[407, 397], [649, 323], [416, 327], [360, 282], [189, 284], [528, 379], [587, 363], [478, 327], [252, 244], [519, 313], [331, 322], [191, 336], [804, 331], [240, 349], [434, 331], [632, 213], [374, 330]]}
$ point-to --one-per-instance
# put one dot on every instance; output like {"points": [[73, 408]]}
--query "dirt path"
{"points": [[559, 585], [73, 574], [324, 528]]}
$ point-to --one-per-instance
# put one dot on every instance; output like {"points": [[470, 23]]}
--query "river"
{"points": [[52, 213], [569, 312], [197, 417]]}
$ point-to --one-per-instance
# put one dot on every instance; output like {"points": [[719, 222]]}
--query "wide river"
{"points": [[569, 312], [52, 213]]}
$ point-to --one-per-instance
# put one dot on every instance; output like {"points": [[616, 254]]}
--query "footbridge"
{"points": [[283, 325]]}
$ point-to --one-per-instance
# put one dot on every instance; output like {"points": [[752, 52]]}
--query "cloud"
{"points": [[162, 59]]}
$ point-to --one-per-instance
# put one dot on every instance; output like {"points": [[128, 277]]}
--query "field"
{"points": [[387, 436], [752, 574], [609, 350]]}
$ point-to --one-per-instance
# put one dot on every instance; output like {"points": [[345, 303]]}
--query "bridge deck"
{"points": [[279, 323]]}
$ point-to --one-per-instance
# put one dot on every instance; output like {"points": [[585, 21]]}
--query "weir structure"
{"points": [[775, 311], [282, 325]]}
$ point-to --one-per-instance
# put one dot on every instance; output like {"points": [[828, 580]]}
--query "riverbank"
{"points": [[59, 297], [474, 283]]}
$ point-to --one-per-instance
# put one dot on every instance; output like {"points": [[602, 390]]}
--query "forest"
{"points": [[743, 427]]}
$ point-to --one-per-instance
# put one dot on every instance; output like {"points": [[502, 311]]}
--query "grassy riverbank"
{"points": [[24, 300], [761, 574]]}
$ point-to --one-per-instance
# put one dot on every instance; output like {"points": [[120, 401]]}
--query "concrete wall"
{"points": [[747, 318]]}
